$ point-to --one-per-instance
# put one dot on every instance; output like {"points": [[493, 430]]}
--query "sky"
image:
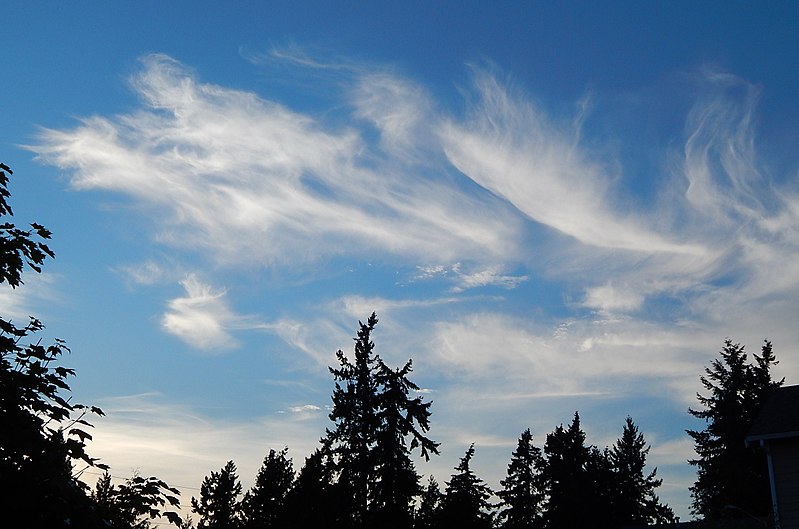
{"points": [[551, 206]]}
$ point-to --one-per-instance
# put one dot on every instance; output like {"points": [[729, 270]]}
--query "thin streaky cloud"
{"points": [[241, 177]]}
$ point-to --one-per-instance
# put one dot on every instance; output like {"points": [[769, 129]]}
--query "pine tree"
{"points": [[634, 499], [523, 493], [218, 506], [728, 472], [264, 505], [465, 504]]}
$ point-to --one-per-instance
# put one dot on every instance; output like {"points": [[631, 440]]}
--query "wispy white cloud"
{"points": [[246, 179], [202, 317], [511, 148], [19, 304]]}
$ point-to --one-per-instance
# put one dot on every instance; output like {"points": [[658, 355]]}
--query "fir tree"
{"points": [[465, 504], [523, 493], [313, 500], [429, 511], [570, 491], [264, 505], [374, 416], [218, 506], [634, 499], [399, 416], [728, 472]]}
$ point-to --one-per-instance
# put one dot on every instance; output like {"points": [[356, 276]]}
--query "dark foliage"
{"points": [[465, 503], [264, 505], [523, 490], [728, 472], [43, 435], [429, 511], [218, 506], [566, 477], [634, 499], [134, 503], [374, 415]]}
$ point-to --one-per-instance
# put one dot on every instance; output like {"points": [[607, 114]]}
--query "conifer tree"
{"points": [[567, 480], [264, 505], [634, 499], [356, 424], [374, 416], [314, 499], [523, 493], [429, 511], [399, 416], [218, 505], [728, 472], [465, 504]]}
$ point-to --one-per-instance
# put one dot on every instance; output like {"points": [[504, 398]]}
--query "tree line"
{"points": [[362, 475]]}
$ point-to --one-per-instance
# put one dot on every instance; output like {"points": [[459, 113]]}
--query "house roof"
{"points": [[779, 416]]}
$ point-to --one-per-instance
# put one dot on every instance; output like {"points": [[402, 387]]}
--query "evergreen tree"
{"points": [[314, 498], [572, 493], [218, 506], [399, 416], [355, 416], [374, 416], [465, 504], [634, 499], [523, 493], [264, 505], [429, 511], [728, 472]]}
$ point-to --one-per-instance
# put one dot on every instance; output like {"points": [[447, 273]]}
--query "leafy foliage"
{"points": [[728, 472], [44, 434], [135, 502]]}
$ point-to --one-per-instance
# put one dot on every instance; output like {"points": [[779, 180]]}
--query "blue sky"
{"points": [[551, 206]]}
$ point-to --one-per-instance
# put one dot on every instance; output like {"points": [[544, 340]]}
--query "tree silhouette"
{"points": [[634, 499], [133, 503], [264, 505], [728, 472], [523, 492], [218, 504], [314, 499], [374, 415], [567, 478], [465, 504], [43, 433], [429, 511]]}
